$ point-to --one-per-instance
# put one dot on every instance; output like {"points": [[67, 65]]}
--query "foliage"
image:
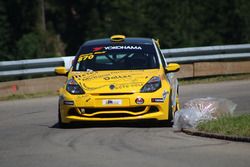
{"points": [[36, 45], [29, 46], [177, 23], [4, 33]]}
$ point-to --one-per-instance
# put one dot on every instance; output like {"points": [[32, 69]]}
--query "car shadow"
{"points": [[121, 124]]}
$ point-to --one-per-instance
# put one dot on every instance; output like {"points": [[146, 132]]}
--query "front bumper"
{"points": [[74, 108]]}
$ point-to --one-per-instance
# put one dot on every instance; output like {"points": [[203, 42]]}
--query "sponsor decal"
{"points": [[123, 48], [97, 48], [91, 76], [128, 85], [116, 77], [99, 53], [85, 74], [88, 99], [89, 56], [84, 57]]}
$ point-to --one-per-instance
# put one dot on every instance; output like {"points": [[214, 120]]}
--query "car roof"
{"points": [[108, 41]]}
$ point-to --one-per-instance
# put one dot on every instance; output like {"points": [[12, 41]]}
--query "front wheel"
{"points": [[60, 123], [169, 122]]}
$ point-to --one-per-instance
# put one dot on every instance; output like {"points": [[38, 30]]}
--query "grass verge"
{"points": [[28, 96], [228, 125]]}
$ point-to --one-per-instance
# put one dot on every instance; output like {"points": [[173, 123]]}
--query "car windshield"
{"points": [[116, 57]]}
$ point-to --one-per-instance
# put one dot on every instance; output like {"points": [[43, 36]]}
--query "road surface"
{"points": [[29, 137]]}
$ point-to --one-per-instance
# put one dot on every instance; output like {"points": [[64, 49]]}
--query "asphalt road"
{"points": [[29, 137]]}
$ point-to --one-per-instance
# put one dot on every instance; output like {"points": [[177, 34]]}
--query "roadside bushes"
{"points": [[39, 44]]}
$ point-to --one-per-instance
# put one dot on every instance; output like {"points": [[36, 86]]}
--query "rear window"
{"points": [[116, 57]]}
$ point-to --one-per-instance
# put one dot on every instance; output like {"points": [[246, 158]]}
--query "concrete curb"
{"points": [[216, 136]]}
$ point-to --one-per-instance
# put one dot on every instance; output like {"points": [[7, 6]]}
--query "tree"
{"points": [[5, 44], [53, 27]]}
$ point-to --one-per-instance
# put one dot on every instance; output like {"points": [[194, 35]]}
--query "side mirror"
{"points": [[61, 71], [172, 67]]}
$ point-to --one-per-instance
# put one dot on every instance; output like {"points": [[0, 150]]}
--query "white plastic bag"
{"points": [[202, 109]]}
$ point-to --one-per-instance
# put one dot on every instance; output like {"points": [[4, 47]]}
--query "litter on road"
{"points": [[202, 109]]}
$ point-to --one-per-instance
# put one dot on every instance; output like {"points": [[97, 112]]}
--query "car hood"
{"points": [[126, 81]]}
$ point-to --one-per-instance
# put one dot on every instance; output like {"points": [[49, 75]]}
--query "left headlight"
{"points": [[73, 87], [152, 85]]}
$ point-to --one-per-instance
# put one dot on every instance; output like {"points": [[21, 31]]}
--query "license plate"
{"points": [[112, 101]]}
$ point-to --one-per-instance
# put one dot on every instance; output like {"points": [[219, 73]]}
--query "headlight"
{"points": [[73, 87], [152, 85]]}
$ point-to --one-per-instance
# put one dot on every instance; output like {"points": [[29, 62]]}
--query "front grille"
{"points": [[112, 94], [153, 109], [115, 115], [131, 109]]}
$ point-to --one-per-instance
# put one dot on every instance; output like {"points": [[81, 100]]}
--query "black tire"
{"points": [[169, 122], [171, 111], [60, 123]]}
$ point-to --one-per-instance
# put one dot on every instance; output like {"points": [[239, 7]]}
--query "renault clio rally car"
{"points": [[118, 78]]}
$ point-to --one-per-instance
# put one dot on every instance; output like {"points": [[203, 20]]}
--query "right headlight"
{"points": [[152, 85], [73, 87]]}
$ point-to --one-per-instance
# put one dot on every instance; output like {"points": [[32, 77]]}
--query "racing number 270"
{"points": [[85, 57]]}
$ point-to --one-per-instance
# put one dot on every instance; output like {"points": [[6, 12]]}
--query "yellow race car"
{"points": [[118, 78]]}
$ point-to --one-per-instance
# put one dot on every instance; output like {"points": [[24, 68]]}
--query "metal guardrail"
{"points": [[32, 66], [180, 55], [210, 58], [207, 53], [29, 64], [207, 50]]}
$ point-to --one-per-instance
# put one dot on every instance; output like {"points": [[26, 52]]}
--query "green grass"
{"points": [[228, 125]]}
